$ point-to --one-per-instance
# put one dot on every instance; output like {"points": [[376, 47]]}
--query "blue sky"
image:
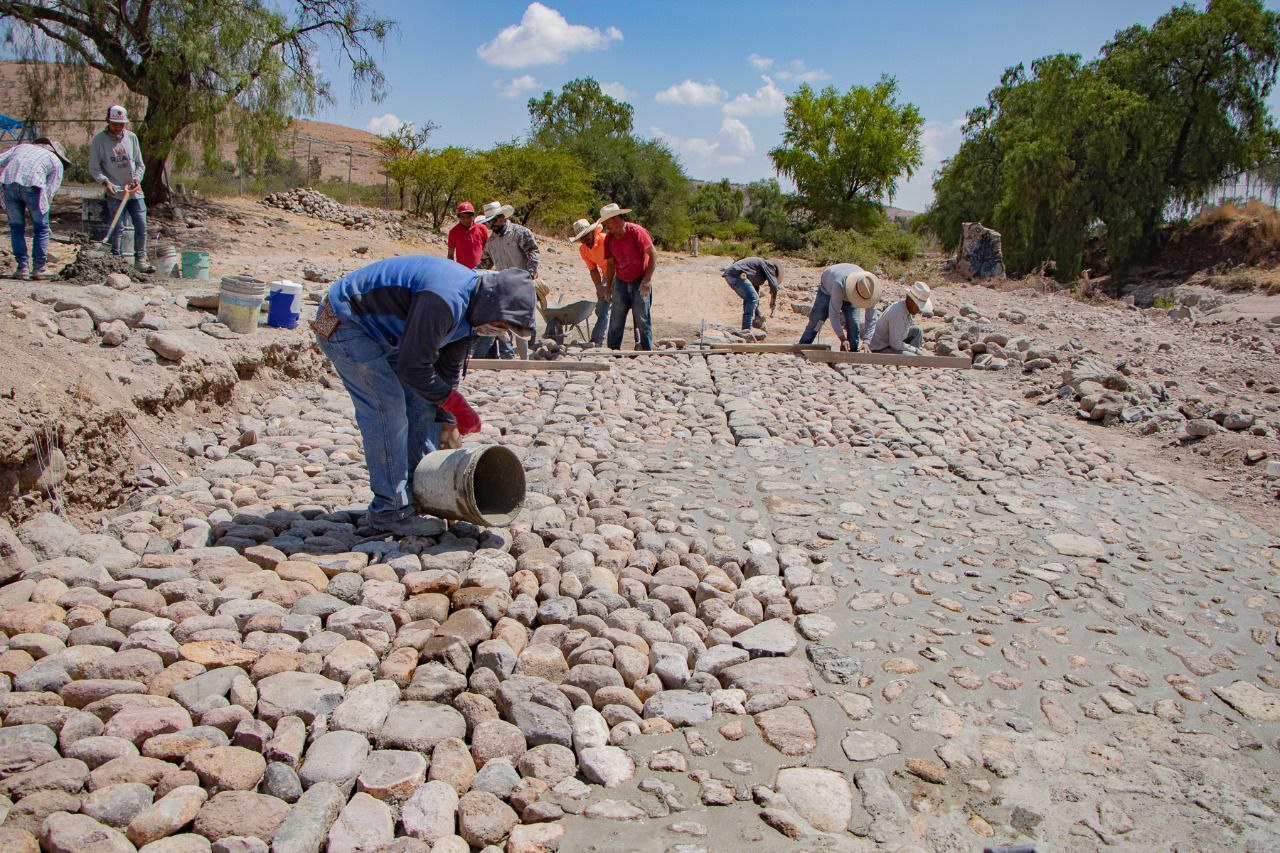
{"points": [[711, 78]]}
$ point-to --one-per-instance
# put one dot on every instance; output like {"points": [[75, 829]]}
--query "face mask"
{"points": [[489, 330]]}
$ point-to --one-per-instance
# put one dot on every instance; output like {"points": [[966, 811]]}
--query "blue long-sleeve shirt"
{"points": [[427, 308], [832, 283]]}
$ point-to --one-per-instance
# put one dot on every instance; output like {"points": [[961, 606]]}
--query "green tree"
{"points": [[579, 117], [845, 152], [548, 187], [773, 214], [437, 180], [1072, 151], [208, 68], [645, 176], [403, 143], [715, 204]]}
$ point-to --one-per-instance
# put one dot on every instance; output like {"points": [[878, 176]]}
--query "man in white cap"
{"points": [[894, 331], [31, 173], [510, 246], [629, 262], [115, 161], [590, 239], [841, 289]]}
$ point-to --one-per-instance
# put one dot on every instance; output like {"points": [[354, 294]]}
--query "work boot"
{"points": [[41, 273], [20, 273], [143, 266]]}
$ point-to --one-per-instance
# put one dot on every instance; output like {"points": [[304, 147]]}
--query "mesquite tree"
{"points": [[207, 69]]}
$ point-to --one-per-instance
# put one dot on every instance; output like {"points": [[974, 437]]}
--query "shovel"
{"points": [[106, 241]]}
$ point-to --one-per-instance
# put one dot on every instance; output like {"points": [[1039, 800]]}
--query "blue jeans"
{"points": [[136, 209], [821, 304], [750, 298], [486, 347], [602, 322], [627, 299], [23, 202], [397, 425]]}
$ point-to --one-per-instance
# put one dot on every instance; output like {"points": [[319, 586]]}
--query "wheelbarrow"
{"points": [[570, 315]]}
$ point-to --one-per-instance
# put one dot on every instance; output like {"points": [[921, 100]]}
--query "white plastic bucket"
{"points": [[240, 302], [169, 264], [483, 484], [284, 304]]}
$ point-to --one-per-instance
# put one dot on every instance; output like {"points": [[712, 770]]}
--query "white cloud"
{"points": [[691, 94], [798, 72], [760, 63], [732, 145], [938, 141], [384, 124], [517, 86], [616, 90], [543, 37], [768, 100]]}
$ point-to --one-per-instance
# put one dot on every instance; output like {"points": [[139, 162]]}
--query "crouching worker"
{"points": [[895, 330], [398, 333]]}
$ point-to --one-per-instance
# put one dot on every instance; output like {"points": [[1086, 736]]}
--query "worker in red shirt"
{"points": [[629, 262], [467, 238]]}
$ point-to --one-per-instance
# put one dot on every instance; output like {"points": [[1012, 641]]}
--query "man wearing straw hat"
{"points": [[590, 239], [397, 332], [31, 173], [841, 289], [629, 262], [894, 331], [115, 161], [510, 246], [746, 277]]}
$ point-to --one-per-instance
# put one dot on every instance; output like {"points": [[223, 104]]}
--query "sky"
{"points": [[710, 77]]}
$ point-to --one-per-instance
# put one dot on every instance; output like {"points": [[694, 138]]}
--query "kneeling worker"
{"points": [[398, 332], [894, 330]]}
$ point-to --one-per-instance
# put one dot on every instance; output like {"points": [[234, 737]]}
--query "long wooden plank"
{"points": [[628, 353], [747, 348], [888, 358], [523, 364]]}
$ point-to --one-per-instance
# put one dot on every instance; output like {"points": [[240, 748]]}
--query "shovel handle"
{"points": [[116, 219]]}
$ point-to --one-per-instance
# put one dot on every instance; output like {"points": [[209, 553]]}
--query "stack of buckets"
{"points": [[240, 302]]}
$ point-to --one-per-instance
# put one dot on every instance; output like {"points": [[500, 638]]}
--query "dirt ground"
{"points": [[1225, 356]]}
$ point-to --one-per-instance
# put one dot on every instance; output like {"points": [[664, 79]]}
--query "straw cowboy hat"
{"points": [[918, 293], [611, 210], [862, 289], [493, 210], [56, 148], [582, 228]]}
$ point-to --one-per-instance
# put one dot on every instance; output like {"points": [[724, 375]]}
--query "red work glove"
{"points": [[467, 418]]}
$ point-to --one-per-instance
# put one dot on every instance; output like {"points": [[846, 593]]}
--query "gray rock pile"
{"points": [[317, 205]]}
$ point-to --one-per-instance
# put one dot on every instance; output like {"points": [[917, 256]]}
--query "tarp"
{"points": [[15, 129]]}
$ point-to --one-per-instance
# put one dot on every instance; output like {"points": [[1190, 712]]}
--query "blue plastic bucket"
{"points": [[195, 265], [284, 304]]}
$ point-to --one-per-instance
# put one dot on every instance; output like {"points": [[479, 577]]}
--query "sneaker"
{"points": [[41, 273], [20, 273], [143, 266]]}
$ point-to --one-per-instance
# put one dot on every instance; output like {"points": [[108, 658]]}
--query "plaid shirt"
{"points": [[32, 166]]}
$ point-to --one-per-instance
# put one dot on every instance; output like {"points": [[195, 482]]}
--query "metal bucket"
{"points": [[483, 484]]}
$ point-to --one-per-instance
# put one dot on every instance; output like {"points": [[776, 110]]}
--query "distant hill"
{"points": [[74, 121]]}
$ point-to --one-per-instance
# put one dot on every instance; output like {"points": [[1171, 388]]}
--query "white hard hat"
{"points": [[117, 114]]}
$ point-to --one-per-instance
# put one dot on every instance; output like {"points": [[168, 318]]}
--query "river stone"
{"points": [[419, 726], [859, 745], [306, 827], [300, 694], [1250, 701], [1073, 545], [772, 638], [785, 675], [606, 765], [335, 757], [679, 707], [429, 815], [77, 833], [364, 825], [822, 797]]}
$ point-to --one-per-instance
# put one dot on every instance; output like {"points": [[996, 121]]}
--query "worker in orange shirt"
{"points": [[590, 239]]}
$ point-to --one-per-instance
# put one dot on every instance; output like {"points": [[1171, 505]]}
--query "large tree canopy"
{"points": [[846, 151], [1072, 150], [205, 67]]}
